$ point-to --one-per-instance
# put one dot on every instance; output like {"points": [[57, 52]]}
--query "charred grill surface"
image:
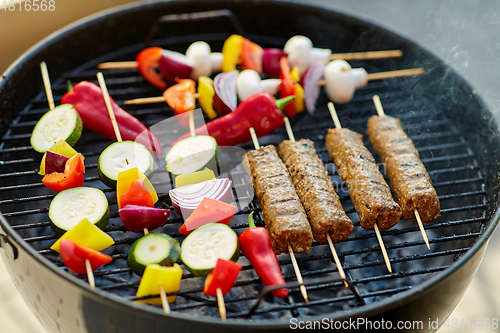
{"points": [[315, 190], [409, 179], [369, 192], [283, 213]]}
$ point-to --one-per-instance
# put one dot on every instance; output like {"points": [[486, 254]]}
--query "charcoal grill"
{"points": [[451, 127]]}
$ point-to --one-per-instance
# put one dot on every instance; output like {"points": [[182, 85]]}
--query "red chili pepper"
{"points": [[137, 195], [255, 243], [287, 86], [87, 99], [71, 178], [223, 276], [251, 56], [75, 255], [261, 111], [148, 60], [208, 211]]}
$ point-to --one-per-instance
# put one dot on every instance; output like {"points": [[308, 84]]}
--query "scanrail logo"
{"points": [[355, 324]]}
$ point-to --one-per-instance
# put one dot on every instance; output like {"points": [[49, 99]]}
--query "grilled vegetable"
{"points": [[231, 51], [206, 94], [255, 244], [120, 156], [156, 276], [136, 195], [201, 249], [74, 256], [192, 154], [86, 234], [125, 180], [137, 218], [60, 147], [71, 177], [61, 123], [194, 178], [174, 65], [55, 162], [223, 276], [148, 60], [153, 248], [180, 96], [69, 207], [208, 211]]}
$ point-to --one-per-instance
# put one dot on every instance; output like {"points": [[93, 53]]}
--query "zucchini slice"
{"points": [[61, 123], [153, 248], [193, 154], [121, 156], [70, 207], [201, 249]]}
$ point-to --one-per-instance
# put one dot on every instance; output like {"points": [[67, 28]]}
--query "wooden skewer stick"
{"points": [[46, 83], [146, 231], [388, 75], [90, 274], [164, 300], [290, 250], [381, 113], [221, 304], [192, 129], [107, 100], [377, 231], [149, 100], [384, 54], [330, 243]]}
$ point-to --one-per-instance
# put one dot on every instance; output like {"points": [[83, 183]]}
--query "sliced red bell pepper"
{"points": [[208, 211], [223, 276], [148, 60], [251, 56], [87, 99], [71, 178], [125, 180], [255, 243], [261, 111], [75, 255], [287, 86], [180, 96], [137, 195]]}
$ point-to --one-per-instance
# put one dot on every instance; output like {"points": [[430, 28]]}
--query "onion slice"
{"points": [[310, 79], [185, 199], [174, 65], [54, 162], [225, 99], [137, 218], [271, 62]]}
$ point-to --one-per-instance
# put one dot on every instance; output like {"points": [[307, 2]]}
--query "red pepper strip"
{"points": [[148, 60], [255, 243], [251, 56], [208, 211], [87, 99], [261, 111], [74, 256], [71, 178], [180, 96], [223, 276], [137, 195], [287, 86]]}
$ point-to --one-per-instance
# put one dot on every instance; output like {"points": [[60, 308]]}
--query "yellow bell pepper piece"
{"points": [[61, 147], [231, 50], [126, 178], [299, 98], [194, 178], [86, 234], [155, 276], [295, 74], [206, 98]]}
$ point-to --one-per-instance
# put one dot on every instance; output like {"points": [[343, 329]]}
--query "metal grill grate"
{"points": [[450, 161]]}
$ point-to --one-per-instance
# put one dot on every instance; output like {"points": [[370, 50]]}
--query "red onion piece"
{"points": [[185, 199], [310, 79], [174, 65], [54, 162], [137, 218], [225, 100], [271, 62]]}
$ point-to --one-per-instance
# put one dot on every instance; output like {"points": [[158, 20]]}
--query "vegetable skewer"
{"points": [[386, 212], [306, 231], [332, 223]]}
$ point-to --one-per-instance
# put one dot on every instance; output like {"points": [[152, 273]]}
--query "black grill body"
{"points": [[451, 127]]}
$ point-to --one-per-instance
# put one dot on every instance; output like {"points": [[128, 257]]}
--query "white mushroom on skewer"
{"points": [[301, 53], [342, 80], [204, 61], [249, 83]]}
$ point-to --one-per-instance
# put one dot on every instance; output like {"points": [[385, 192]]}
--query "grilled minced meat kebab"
{"points": [[315, 190], [409, 179], [369, 192], [283, 213]]}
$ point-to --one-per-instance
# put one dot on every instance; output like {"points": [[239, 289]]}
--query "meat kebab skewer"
{"points": [[409, 179], [282, 210], [368, 190], [316, 192]]}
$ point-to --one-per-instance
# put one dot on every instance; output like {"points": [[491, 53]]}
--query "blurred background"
{"points": [[462, 32]]}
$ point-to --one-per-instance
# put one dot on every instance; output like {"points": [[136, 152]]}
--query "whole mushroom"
{"points": [[342, 80], [249, 83], [301, 53]]}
